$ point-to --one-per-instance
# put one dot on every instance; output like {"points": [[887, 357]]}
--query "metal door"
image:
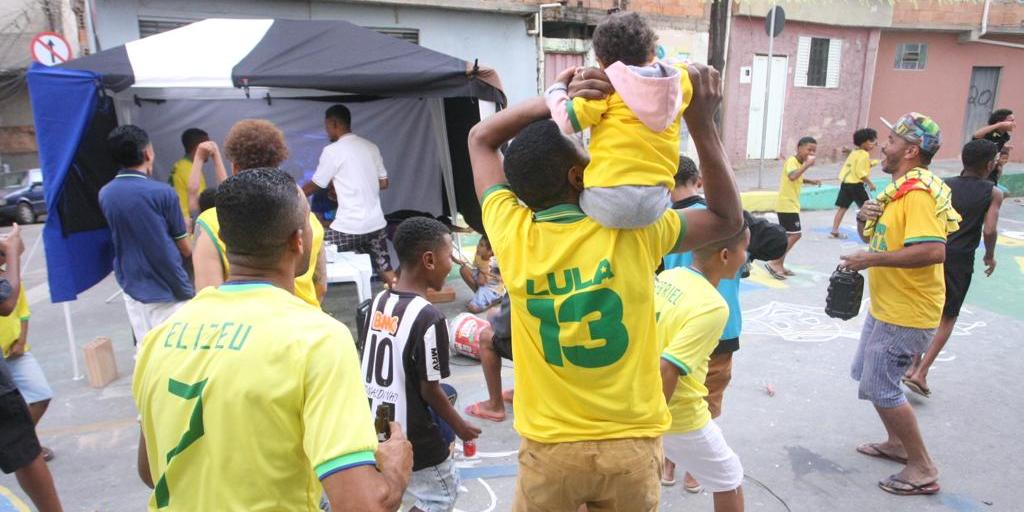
{"points": [[981, 99]]}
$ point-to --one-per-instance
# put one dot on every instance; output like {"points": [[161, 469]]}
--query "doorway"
{"points": [[981, 99], [759, 79]]}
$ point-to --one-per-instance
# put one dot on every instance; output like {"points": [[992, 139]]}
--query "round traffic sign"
{"points": [[774, 29], [50, 49]]}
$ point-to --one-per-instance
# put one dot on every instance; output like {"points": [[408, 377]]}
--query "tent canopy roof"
{"points": [[329, 55]]}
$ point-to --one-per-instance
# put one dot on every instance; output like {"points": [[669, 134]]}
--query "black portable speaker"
{"points": [[845, 290]]}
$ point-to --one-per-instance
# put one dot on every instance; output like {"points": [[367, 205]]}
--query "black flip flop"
{"points": [[916, 388], [773, 273], [879, 454], [911, 489]]}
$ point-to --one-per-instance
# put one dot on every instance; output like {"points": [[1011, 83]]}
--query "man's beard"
{"points": [[886, 166]]}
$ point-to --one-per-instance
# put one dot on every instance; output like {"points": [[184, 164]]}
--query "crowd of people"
{"points": [[617, 297]]}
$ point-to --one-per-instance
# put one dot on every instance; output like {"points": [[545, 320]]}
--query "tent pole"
{"points": [[72, 347], [32, 251], [443, 154]]}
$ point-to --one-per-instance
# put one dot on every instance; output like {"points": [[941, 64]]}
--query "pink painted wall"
{"points": [[829, 115], [940, 90]]}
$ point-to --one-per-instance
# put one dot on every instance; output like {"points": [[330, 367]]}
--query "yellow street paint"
{"points": [[1020, 261], [12, 501], [761, 276], [1008, 241]]}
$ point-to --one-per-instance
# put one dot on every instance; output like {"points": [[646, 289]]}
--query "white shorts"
{"points": [[29, 378], [705, 455], [144, 317]]}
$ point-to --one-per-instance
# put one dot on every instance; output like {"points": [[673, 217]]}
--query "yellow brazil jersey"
{"points": [[10, 326], [304, 287], [691, 317], [857, 167], [908, 297], [241, 410], [582, 300], [179, 180], [789, 190], [623, 151]]}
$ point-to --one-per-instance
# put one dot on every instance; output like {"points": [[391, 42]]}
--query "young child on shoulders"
{"points": [[634, 144]]}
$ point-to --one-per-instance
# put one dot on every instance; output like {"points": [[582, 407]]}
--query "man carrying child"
{"points": [[587, 398]]}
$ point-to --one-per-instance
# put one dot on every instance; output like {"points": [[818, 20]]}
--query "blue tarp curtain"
{"points": [[63, 103]]}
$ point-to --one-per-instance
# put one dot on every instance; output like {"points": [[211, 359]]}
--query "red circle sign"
{"points": [[50, 49]]}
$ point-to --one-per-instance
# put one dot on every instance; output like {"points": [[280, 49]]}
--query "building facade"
{"points": [[20, 20], [956, 65], [501, 34], [841, 68], [817, 88], [834, 68]]}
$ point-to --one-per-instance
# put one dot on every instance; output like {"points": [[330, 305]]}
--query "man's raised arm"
{"points": [[724, 214], [487, 137]]}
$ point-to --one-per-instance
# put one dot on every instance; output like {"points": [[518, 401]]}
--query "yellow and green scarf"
{"points": [[920, 179]]}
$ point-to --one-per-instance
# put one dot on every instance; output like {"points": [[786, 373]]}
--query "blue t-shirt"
{"points": [[145, 220], [729, 288], [323, 204]]}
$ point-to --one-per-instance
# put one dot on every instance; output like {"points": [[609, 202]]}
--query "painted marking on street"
{"points": [[91, 427], [502, 471], [797, 322], [490, 492], [10, 503]]}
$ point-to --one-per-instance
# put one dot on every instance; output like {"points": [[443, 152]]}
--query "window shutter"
{"points": [[835, 60], [803, 57]]}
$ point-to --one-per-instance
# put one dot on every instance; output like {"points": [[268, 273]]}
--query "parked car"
{"points": [[22, 196]]}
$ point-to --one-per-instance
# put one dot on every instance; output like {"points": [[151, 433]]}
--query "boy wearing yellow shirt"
{"points": [[691, 316], [787, 206], [634, 145], [25, 369], [182, 169], [855, 175]]}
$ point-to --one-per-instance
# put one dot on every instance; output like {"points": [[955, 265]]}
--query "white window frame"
{"points": [[922, 57], [833, 64]]}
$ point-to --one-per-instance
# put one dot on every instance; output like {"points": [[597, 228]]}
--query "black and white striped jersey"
{"points": [[406, 342]]}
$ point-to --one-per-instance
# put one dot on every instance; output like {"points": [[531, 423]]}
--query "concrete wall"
{"points": [[21, 20], [829, 115], [17, 133], [498, 40], [958, 14], [862, 13], [940, 90]]}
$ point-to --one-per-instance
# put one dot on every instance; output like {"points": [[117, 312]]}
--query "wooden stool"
{"points": [[446, 295], [100, 364]]}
